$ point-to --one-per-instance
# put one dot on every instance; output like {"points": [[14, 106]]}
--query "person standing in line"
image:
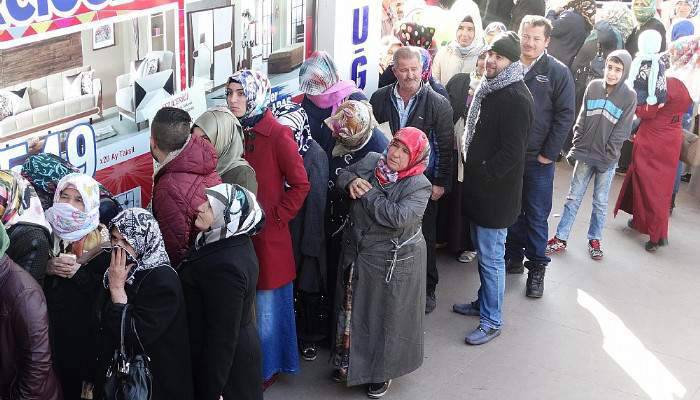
{"points": [[604, 123], [494, 149], [411, 102], [460, 55], [552, 88]]}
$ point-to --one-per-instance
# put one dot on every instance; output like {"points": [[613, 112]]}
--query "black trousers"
{"points": [[430, 235]]}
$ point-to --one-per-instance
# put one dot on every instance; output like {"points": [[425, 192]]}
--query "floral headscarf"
{"points": [[294, 116], [427, 64], [318, 73], [620, 18], [586, 8], [684, 57], [236, 212], [140, 229], [256, 87], [68, 222], [226, 134], [419, 149], [352, 126], [19, 202], [643, 10]]}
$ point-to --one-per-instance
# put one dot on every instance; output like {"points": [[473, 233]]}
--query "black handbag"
{"points": [[128, 377]]}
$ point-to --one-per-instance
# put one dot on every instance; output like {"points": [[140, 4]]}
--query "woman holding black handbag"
{"points": [[140, 280]]}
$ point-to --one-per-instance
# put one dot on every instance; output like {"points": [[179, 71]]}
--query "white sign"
{"points": [[191, 100]]}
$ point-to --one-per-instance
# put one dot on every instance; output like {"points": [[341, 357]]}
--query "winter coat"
{"points": [[448, 62], [306, 228], [26, 370], [605, 120], [458, 90], [178, 189], [388, 77], [631, 44], [156, 306], [525, 7], [493, 172], [552, 87], [320, 132], [275, 158], [388, 302], [432, 114], [241, 175], [30, 248], [219, 282], [569, 31]]}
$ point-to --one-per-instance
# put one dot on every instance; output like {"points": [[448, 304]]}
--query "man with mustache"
{"points": [[552, 88], [409, 102]]}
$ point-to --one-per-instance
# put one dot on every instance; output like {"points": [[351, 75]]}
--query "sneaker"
{"points": [[430, 302], [468, 309], [554, 246], [481, 335], [594, 249], [309, 351], [377, 390], [467, 256], [339, 375], [514, 267], [534, 287]]}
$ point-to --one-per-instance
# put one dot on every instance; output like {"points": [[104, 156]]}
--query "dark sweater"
{"points": [[458, 91], [29, 248], [569, 31], [523, 8], [632, 46]]}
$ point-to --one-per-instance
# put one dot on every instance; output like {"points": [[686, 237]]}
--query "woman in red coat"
{"points": [[282, 188], [648, 186]]}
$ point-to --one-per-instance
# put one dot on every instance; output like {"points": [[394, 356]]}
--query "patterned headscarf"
{"points": [[68, 222], [419, 154], [643, 10], [586, 8], [226, 134], [620, 18], [294, 116], [427, 64], [352, 126], [318, 73], [494, 27], [19, 202], [684, 57], [693, 6], [256, 88], [140, 229], [236, 212], [413, 34]]}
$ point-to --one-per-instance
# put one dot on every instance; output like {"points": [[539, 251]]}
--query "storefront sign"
{"points": [[19, 12], [360, 24]]}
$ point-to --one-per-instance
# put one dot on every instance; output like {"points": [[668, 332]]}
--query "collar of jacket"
{"points": [[266, 124], [197, 156], [540, 68], [207, 249]]}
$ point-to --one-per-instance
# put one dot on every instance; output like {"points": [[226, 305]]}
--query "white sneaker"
{"points": [[467, 256]]}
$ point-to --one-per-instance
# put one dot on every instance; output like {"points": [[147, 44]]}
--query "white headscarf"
{"points": [[68, 222]]}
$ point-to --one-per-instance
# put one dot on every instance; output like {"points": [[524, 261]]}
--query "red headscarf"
{"points": [[419, 154]]}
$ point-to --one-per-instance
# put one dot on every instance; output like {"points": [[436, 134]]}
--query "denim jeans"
{"points": [[602, 181], [490, 248], [528, 236]]}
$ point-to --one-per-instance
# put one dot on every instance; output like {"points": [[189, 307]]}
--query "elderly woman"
{"points": [[282, 189], [382, 264], [571, 24], [460, 55], [72, 282], [145, 292], [219, 126], [26, 225]]}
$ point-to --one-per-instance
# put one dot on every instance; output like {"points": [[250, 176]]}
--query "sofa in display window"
{"points": [[285, 59]]}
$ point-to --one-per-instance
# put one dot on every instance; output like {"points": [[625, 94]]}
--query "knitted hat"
{"points": [[507, 44]]}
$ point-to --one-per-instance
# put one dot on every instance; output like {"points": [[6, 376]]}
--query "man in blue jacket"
{"points": [[552, 88]]}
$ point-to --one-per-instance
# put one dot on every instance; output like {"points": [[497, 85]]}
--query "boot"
{"points": [[535, 280]]}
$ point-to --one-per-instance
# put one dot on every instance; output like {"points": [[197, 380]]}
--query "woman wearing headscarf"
{"points": [[219, 278], [282, 189], [222, 129], [26, 225], [308, 238], [72, 283], [492, 30], [644, 12], [145, 292], [459, 55], [648, 186], [381, 280], [324, 91], [571, 24]]}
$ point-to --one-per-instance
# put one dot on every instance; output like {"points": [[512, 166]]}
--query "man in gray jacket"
{"points": [[604, 123]]}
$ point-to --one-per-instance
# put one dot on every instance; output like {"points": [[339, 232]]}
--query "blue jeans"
{"points": [[528, 236], [490, 248], [602, 181]]}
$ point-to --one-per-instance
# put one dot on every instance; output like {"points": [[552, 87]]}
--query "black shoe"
{"points": [[685, 178], [339, 375], [430, 302], [514, 267], [309, 351], [651, 247], [469, 309], [377, 390], [535, 281]]}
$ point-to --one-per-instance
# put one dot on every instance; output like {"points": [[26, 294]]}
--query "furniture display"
{"points": [[285, 59], [157, 32]]}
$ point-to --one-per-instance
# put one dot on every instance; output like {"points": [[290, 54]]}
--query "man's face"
{"points": [[495, 64], [408, 73], [613, 72], [532, 41], [465, 34]]}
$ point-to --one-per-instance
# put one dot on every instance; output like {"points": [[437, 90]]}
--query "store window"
{"points": [[297, 21]]}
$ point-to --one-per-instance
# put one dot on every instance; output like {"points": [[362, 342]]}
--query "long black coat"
{"points": [[493, 173], [219, 283]]}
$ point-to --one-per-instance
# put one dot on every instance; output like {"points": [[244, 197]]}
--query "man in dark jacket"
{"points": [[410, 102], [26, 370], [552, 88], [494, 143], [187, 167]]}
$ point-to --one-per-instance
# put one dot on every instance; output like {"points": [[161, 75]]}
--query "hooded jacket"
{"points": [[605, 120]]}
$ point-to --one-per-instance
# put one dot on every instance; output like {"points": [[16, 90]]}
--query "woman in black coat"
{"points": [[142, 283], [571, 25], [219, 279]]}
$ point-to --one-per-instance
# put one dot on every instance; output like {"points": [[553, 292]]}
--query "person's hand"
{"points": [[358, 187], [438, 191], [63, 266], [117, 273], [543, 160]]}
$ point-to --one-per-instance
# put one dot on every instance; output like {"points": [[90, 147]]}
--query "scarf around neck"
{"points": [[19, 202], [419, 154], [334, 95], [510, 75]]}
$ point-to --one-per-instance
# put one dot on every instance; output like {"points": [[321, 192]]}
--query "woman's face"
{"points": [[72, 197], [236, 99], [397, 156], [465, 34], [117, 239], [197, 131], [205, 217], [682, 9]]}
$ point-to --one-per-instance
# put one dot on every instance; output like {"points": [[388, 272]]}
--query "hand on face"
{"points": [[118, 270]]}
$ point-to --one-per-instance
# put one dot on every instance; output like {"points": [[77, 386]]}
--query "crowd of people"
{"points": [[276, 230]]}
